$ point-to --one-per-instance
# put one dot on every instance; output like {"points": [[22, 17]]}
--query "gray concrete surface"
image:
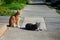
{"points": [[19, 34], [39, 10], [22, 34], [51, 18], [1, 25], [37, 1], [53, 23], [34, 20]]}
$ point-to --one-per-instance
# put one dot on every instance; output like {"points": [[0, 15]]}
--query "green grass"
{"points": [[14, 6], [5, 9], [6, 12]]}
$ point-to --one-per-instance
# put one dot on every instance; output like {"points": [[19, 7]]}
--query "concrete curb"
{"points": [[3, 30]]}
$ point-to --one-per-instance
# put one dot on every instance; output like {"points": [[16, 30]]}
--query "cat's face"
{"points": [[18, 12], [38, 24]]}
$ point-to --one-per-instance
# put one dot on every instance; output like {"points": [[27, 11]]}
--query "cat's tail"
{"points": [[8, 25]]}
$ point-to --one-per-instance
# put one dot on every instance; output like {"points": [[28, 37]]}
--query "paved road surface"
{"points": [[52, 22], [51, 17]]}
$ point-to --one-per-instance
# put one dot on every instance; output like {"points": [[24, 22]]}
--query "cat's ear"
{"points": [[37, 22], [19, 11]]}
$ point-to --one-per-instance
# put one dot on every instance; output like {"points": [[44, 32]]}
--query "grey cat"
{"points": [[30, 26]]}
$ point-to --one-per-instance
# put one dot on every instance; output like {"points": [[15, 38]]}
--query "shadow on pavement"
{"points": [[28, 29]]}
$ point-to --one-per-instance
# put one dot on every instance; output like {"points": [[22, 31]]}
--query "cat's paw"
{"points": [[18, 26], [38, 29], [14, 26]]}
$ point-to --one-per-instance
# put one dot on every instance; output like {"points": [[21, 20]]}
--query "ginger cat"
{"points": [[15, 19]]}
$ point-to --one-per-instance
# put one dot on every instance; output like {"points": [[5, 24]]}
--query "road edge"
{"points": [[3, 30]]}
